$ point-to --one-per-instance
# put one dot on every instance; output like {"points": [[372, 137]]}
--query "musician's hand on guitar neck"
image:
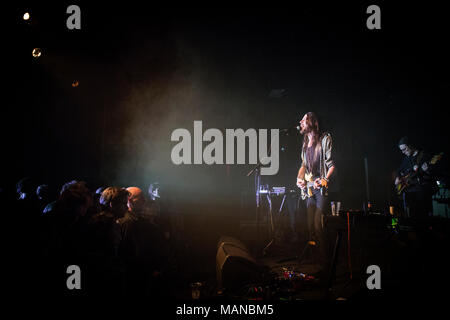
{"points": [[424, 166], [397, 181]]}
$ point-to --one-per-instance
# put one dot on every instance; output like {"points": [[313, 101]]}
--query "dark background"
{"points": [[144, 71]]}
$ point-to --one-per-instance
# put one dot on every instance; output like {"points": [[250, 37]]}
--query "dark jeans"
{"points": [[419, 203], [315, 209]]}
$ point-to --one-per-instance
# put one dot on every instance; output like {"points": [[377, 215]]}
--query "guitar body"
{"points": [[307, 191], [405, 182]]}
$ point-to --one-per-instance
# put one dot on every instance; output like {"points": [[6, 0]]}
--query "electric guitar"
{"points": [[414, 177], [307, 190]]}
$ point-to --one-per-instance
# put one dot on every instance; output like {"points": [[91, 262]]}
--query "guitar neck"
{"points": [[413, 174]]}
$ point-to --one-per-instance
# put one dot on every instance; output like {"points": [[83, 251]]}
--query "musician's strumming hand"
{"points": [[317, 183], [301, 183]]}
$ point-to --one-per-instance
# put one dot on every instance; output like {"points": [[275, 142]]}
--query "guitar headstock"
{"points": [[436, 158]]}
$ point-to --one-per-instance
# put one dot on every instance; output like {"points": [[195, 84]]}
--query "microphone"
{"points": [[289, 129]]}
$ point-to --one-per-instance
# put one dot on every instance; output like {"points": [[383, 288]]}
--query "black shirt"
{"points": [[312, 162], [408, 163]]}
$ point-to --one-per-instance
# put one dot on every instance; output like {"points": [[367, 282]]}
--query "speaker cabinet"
{"points": [[235, 267]]}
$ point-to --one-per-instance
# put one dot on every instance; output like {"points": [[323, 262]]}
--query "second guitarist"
{"points": [[318, 166], [414, 174]]}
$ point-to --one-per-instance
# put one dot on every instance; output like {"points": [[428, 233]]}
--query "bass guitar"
{"points": [[416, 177]]}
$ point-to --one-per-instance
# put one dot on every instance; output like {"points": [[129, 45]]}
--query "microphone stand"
{"points": [[257, 171]]}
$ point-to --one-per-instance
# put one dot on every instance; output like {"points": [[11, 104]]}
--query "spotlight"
{"points": [[36, 52], [75, 83], [26, 16]]}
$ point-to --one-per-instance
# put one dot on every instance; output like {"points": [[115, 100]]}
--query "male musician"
{"points": [[414, 172], [318, 167]]}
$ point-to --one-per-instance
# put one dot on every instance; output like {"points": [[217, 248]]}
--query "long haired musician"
{"points": [[315, 173]]}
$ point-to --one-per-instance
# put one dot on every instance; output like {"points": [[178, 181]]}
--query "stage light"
{"points": [[26, 16], [75, 83], [36, 52]]}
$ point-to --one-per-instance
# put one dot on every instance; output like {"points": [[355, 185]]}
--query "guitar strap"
{"points": [[419, 158]]}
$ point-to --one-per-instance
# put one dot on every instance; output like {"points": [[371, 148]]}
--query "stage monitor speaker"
{"points": [[235, 267], [441, 203], [233, 241]]}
